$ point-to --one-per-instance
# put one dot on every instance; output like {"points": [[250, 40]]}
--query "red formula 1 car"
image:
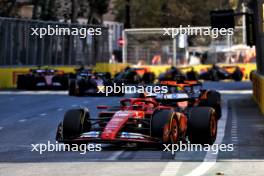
{"points": [[139, 120]]}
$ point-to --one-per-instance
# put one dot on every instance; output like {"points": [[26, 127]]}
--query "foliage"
{"points": [[168, 13]]}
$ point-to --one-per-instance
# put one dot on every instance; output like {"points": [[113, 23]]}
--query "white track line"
{"points": [[210, 159], [115, 155], [172, 168], [33, 92], [235, 91], [60, 109], [22, 120]]}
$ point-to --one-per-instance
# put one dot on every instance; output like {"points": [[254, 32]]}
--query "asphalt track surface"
{"points": [[31, 117]]}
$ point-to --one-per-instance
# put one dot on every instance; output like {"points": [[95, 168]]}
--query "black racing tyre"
{"points": [[251, 75], [214, 100], [161, 120], [25, 82], [136, 79], [30, 82], [59, 135], [20, 82], [81, 90], [192, 76], [72, 87], [148, 77], [202, 125], [108, 76], [214, 75], [74, 123], [237, 75]]}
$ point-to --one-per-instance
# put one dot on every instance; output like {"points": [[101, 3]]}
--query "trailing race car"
{"points": [[216, 73], [139, 120], [85, 82], [43, 79], [196, 95], [173, 74], [135, 76]]}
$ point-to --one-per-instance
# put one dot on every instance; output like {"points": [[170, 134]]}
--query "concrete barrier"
{"points": [[111, 68], [8, 76], [258, 89]]}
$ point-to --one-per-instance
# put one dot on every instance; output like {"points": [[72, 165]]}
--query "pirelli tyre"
{"points": [[213, 75], [148, 78], [202, 125], [80, 91], [213, 99], [75, 122], [237, 75], [164, 125], [25, 82], [72, 87], [20, 82]]}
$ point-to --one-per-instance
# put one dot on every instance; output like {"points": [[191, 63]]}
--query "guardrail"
{"points": [[258, 89]]}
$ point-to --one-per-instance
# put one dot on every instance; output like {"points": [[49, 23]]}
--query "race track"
{"points": [[31, 117]]}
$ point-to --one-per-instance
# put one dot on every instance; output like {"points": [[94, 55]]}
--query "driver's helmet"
{"points": [[176, 89], [138, 105]]}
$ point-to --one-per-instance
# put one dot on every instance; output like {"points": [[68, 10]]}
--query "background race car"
{"points": [[43, 79], [85, 82], [139, 120], [172, 74], [135, 76], [216, 73]]}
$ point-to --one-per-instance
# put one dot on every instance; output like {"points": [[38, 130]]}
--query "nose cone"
{"points": [[115, 124]]}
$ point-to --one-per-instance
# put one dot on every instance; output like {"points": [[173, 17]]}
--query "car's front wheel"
{"points": [[164, 125], [75, 122]]}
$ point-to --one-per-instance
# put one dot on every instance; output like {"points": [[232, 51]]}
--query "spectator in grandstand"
{"points": [[141, 62], [156, 59], [112, 59], [169, 62]]}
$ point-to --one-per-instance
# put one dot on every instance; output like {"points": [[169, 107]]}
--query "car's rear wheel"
{"points": [[148, 77], [237, 75], [164, 125], [80, 91], [74, 123], [214, 100], [20, 82], [72, 88], [202, 125]]}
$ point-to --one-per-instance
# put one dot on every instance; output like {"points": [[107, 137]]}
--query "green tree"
{"points": [[92, 10], [165, 13], [7, 7]]}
